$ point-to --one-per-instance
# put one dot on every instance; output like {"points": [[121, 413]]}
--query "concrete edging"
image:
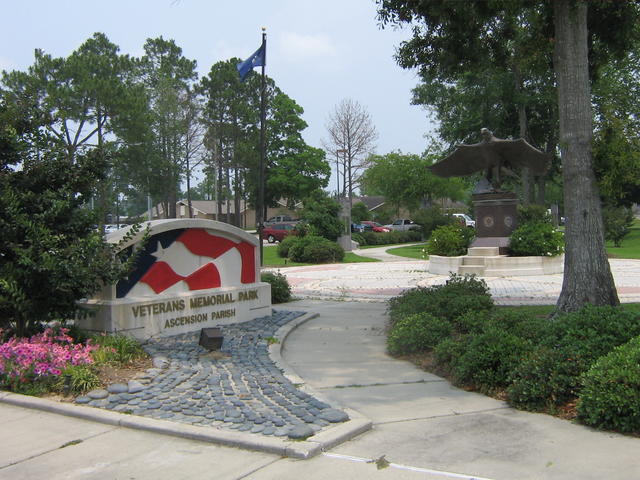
{"points": [[308, 448]]}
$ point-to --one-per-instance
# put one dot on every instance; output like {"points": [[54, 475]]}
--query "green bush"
{"points": [[489, 358], [536, 239], [458, 295], [449, 241], [449, 350], [570, 345], [540, 381], [610, 397], [116, 348], [321, 214], [431, 218], [359, 238], [280, 288], [417, 333], [360, 212], [314, 249], [284, 246], [533, 214], [617, 223], [77, 379]]}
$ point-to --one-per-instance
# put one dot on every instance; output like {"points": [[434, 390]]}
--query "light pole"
{"points": [[338, 151]]}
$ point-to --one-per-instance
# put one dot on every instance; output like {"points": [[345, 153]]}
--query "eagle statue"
{"points": [[491, 155]]}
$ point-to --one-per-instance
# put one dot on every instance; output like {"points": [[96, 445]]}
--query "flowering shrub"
{"points": [[44, 355], [536, 239], [450, 241]]}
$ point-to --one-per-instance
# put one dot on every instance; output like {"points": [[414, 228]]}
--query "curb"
{"points": [[302, 450], [337, 433]]}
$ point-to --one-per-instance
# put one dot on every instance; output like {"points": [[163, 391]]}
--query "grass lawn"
{"points": [[271, 259], [409, 251], [630, 245]]}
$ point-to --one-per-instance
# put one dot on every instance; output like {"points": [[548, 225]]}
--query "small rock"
{"points": [[334, 416], [300, 432], [135, 386], [83, 399], [117, 388], [98, 394], [160, 362]]}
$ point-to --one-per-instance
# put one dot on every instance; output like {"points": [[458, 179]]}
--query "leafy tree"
{"points": [[360, 212], [404, 181], [294, 169], [51, 255], [167, 77], [447, 39], [320, 212]]}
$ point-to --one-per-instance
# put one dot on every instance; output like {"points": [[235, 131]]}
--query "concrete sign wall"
{"points": [[190, 274]]}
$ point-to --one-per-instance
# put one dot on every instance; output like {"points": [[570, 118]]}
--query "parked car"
{"points": [[375, 226], [280, 219], [465, 219], [278, 231], [402, 225], [361, 227]]}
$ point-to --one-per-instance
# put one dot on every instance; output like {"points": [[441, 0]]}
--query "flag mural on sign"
{"points": [[189, 259], [258, 59]]}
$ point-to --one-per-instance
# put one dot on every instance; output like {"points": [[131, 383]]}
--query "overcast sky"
{"points": [[319, 51]]}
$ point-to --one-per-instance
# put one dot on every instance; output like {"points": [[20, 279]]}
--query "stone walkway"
{"points": [[380, 281], [243, 391]]}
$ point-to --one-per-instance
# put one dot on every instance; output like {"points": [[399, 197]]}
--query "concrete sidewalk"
{"points": [[421, 422]]}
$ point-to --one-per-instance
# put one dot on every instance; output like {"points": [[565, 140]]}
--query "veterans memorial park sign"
{"points": [[190, 274]]}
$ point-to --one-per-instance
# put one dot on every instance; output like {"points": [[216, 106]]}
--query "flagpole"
{"points": [[261, 188]]}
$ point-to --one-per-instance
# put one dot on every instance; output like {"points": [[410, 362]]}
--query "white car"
{"points": [[402, 225], [468, 221]]}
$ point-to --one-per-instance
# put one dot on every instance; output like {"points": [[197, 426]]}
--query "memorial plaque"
{"points": [[190, 274]]}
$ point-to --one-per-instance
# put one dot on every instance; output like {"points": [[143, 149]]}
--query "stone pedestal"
{"points": [[496, 217]]}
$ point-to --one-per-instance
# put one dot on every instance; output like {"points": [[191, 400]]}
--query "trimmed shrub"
{"points": [[458, 295], [359, 239], [448, 241], [284, 246], [489, 358], [571, 344], [417, 333], [280, 288], [313, 249], [449, 350], [543, 379], [536, 239], [610, 397]]}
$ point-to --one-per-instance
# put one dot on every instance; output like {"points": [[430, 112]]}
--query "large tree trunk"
{"points": [[587, 276]]}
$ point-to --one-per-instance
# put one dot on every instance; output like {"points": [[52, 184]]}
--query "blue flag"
{"points": [[258, 59]]}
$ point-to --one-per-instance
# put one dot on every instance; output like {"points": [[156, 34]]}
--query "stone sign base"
{"points": [[171, 314]]}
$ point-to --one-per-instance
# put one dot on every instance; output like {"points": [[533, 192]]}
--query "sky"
{"points": [[319, 52]]}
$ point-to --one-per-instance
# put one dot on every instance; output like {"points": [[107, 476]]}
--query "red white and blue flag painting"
{"points": [[183, 260]]}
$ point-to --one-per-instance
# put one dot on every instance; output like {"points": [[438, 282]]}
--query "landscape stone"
{"points": [[98, 394], [117, 388], [300, 432]]}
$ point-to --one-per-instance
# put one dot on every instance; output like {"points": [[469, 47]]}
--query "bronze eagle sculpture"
{"points": [[491, 154]]}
